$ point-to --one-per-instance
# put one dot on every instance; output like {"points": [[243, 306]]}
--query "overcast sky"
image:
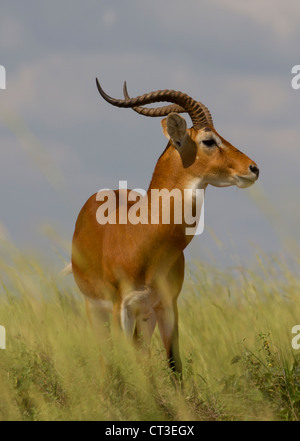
{"points": [[60, 142]]}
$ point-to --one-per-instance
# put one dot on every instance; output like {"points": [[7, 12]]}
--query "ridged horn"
{"points": [[192, 107], [165, 110]]}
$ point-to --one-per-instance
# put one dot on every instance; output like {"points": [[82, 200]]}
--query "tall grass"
{"points": [[235, 339]]}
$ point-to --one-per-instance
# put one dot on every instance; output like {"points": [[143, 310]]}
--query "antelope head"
{"points": [[207, 158]]}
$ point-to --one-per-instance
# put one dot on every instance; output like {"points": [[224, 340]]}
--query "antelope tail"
{"points": [[66, 270]]}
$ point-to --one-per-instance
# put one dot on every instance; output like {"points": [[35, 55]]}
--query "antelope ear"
{"points": [[174, 128], [164, 127]]}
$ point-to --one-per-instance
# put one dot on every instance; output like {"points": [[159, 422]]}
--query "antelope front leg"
{"points": [[144, 329], [137, 315], [167, 318], [127, 319]]}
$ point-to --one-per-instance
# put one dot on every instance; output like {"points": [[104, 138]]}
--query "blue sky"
{"points": [[60, 142]]}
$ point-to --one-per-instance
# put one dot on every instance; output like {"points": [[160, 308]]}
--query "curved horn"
{"points": [[165, 110], [192, 107]]}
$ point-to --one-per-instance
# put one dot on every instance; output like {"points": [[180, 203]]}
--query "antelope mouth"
{"points": [[245, 181]]}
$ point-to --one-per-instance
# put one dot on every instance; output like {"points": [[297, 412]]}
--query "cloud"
{"points": [[109, 17], [280, 17], [12, 32], [252, 98]]}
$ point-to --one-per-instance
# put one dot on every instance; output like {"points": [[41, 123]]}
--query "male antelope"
{"points": [[138, 269]]}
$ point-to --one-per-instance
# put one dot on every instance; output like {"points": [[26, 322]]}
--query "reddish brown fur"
{"points": [[108, 260]]}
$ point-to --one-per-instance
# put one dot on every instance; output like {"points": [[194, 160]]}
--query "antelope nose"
{"points": [[254, 169]]}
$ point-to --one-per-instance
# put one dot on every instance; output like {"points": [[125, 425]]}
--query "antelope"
{"points": [[136, 271]]}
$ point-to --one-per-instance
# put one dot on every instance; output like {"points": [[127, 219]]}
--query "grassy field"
{"points": [[235, 338]]}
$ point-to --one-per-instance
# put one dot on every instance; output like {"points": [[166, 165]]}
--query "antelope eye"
{"points": [[209, 142]]}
